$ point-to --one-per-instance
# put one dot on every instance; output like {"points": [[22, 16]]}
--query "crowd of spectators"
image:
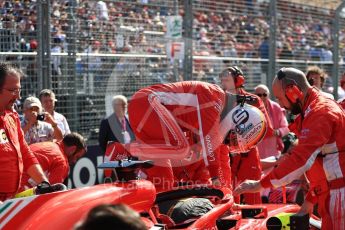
{"points": [[225, 28], [112, 27], [239, 29]]}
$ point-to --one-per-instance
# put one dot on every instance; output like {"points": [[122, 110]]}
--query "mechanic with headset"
{"points": [[160, 116], [320, 152], [247, 164]]}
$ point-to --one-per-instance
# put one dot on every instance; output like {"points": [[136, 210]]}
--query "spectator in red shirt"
{"points": [[14, 151], [55, 158]]}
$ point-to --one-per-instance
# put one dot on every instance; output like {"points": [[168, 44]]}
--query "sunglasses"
{"points": [[262, 94]]}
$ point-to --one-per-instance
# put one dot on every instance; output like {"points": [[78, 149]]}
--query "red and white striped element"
{"points": [[160, 114], [11, 207], [169, 126], [337, 212]]}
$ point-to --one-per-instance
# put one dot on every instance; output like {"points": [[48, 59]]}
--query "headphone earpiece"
{"points": [[293, 93], [239, 81], [238, 76]]}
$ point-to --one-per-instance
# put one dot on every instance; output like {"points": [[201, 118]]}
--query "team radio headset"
{"points": [[237, 74], [292, 92]]}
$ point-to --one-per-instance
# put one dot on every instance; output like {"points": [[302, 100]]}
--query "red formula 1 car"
{"points": [[206, 207]]}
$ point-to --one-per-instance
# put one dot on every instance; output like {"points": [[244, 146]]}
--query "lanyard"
{"points": [[124, 124]]}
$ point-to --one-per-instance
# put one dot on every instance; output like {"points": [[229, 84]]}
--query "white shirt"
{"points": [[102, 10], [341, 92], [62, 123]]}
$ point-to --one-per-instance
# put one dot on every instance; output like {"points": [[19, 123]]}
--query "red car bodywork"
{"points": [[62, 210]]}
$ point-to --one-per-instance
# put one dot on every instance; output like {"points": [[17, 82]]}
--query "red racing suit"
{"points": [[14, 155], [247, 165], [161, 114], [53, 161], [320, 153], [194, 173]]}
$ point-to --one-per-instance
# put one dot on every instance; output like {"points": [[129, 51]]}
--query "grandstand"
{"points": [[331, 4], [97, 49]]}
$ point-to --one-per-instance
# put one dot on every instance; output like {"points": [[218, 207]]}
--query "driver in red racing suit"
{"points": [[161, 114], [320, 151], [184, 174], [171, 109]]}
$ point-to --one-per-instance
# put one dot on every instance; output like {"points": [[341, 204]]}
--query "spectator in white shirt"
{"points": [[47, 98], [102, 11], [38, 126]]}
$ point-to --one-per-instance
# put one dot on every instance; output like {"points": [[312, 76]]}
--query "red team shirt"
{"points": [[321, 154], [14, 154], [53, 161]]}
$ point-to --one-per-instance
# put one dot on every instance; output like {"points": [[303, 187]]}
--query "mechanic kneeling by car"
{"points": [[55, 158]]}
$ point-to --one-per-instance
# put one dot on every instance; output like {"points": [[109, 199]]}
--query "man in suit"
{"points": [[116, 127]]}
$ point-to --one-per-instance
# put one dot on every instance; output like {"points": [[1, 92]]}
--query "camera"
{"points": [[40, 117]]}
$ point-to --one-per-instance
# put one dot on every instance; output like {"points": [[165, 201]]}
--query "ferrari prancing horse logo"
{"points": [[3, 137]]}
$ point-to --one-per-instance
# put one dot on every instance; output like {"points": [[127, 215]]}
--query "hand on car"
{"points": [[248, 186], [307, 207]]}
